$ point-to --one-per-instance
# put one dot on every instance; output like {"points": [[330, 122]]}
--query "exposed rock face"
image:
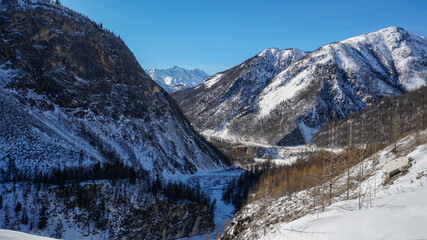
{"points": [[86, 95], [284, 97], [168, 221]]}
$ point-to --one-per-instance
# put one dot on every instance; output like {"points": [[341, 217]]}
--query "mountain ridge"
{"points": [[333, 81], [177, 78]]}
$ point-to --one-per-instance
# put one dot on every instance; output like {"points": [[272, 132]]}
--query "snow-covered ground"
{"points": [[395, 211], [14, 235]]}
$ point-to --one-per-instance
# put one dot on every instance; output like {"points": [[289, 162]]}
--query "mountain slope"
{"points": [[176, 78], [381, 204], [73, 95], [90, 146], [230, 94], [382, 122], [286, 104]]}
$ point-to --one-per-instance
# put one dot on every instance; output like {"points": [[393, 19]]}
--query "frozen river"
{"points": [[213, 184]]}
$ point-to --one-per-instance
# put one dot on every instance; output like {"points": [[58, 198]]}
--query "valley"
{"points": [[214, 184], [287, 144]]}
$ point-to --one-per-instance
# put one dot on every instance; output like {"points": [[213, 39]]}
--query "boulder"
{"points": [[396, 166]]}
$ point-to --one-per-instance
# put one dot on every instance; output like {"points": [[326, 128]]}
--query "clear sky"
{"points": [[215, 35]]}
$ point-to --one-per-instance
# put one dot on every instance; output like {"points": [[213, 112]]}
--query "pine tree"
{"points": [[18, 207], [43, 218], [24, 218], [6, 220], [58, 230]]}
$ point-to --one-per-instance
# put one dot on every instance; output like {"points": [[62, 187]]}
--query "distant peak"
{"points": [[268, 51], [177, 78], [393, 29], [280, 53], [393, 34]]}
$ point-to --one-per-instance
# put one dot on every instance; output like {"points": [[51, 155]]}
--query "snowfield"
{"points": [[396, 211], [397, 216], [13, 235]]}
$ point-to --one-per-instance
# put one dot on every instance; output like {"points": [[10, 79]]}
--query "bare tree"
{"points": [[267, 182], [395, 128], [332, 157], [361, 158], [323, 179], [418, 126], [348, 158]]}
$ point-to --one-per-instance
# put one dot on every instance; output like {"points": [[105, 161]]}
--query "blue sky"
{"points": [[215, 35]]}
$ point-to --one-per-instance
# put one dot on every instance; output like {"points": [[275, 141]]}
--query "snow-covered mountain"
{"points": [[177, 78], [284, 96], [88, 140], [73, 94]]}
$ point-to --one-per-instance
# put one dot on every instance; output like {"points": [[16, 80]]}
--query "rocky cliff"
{"points": [[78, 91]]}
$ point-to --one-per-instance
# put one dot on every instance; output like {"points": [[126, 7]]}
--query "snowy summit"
{"points": [[177, 78]]}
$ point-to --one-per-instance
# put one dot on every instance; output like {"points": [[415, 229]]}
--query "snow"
{"points": [[399, 164], [354, 55], [415, 83], [400, 216], [177, 78], [168, 80], [81, 80], [6, 73], [278, 161], [306, 131], [213, 184], [14, 235], [40, 140], [209, 82], [396, 211], [397, 49], [283, 87], [289, 85]]}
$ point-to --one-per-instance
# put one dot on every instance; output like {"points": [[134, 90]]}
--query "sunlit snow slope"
{"points": [[395, 212]]}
